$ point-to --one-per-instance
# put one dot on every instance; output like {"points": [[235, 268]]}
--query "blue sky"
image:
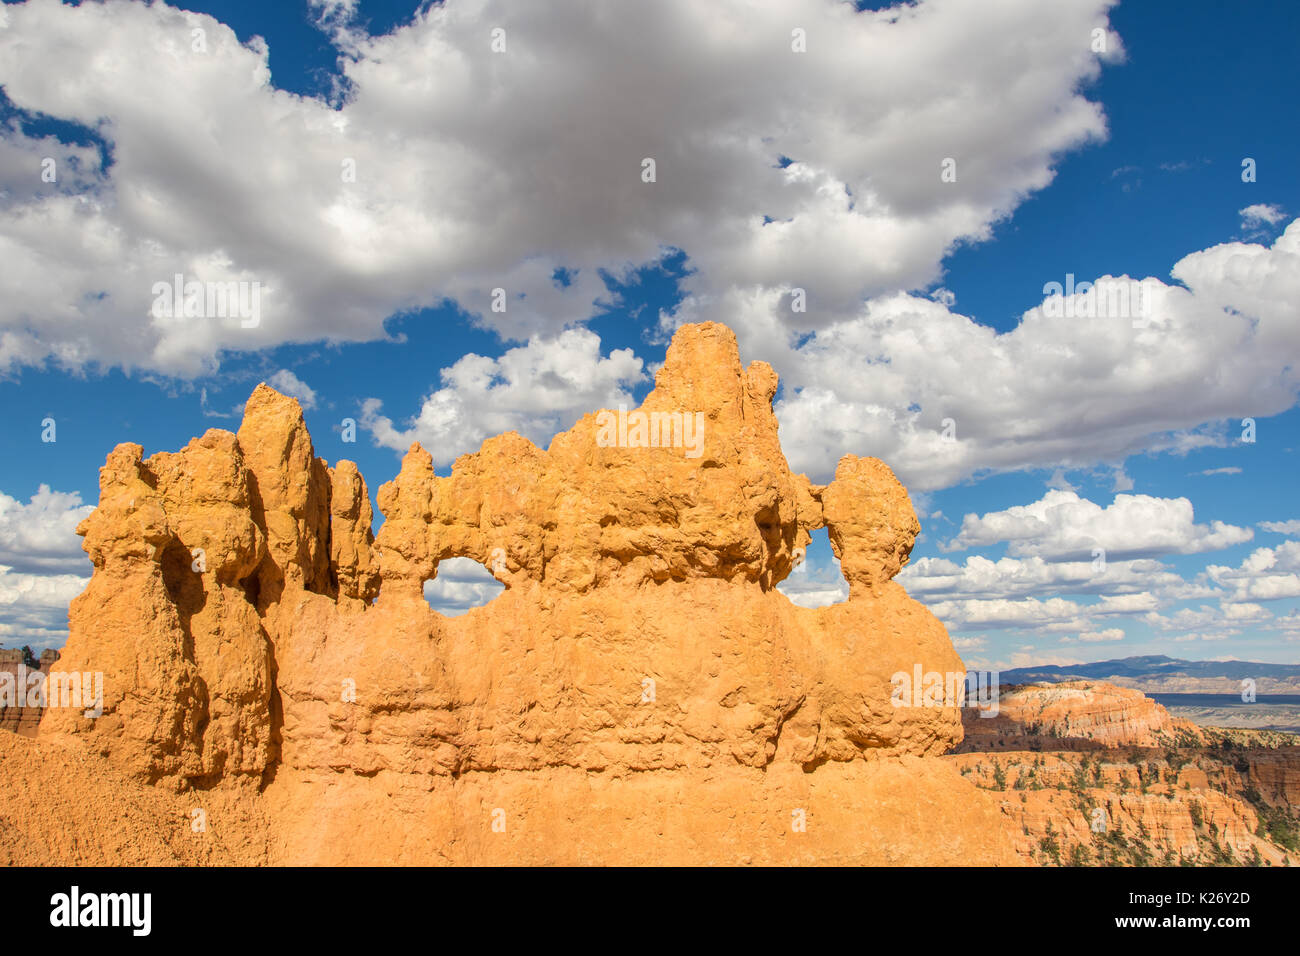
{"points": [[927, 295]]}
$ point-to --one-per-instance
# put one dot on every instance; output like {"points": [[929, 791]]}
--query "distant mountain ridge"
{"points": [[1157, 673]]}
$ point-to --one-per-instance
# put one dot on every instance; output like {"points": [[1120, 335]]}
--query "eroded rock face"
{"points": [[1113, 807], [168, 619], [250, 627]]}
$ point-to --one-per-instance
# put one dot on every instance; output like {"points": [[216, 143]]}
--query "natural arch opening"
{"points": [[817, 580], [461, 584]]}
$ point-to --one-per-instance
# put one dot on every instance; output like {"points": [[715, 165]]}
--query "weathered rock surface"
{"points": [[1275, 773], [1126, 807], [639, 691], [62, 804]]}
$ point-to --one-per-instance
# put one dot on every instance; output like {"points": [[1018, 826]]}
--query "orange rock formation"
{"points": [[640, 692]]}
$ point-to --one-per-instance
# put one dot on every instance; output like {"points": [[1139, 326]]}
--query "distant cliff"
{"points": [[1093, 774], [16, 683]]}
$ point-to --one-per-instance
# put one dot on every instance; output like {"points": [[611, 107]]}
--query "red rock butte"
{"points": [[640, 692]]}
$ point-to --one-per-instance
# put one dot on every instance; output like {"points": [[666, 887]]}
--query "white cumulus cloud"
{"points": [[536, 389], [1266, 574], [1062, 524], [34, 607], [980, 577], [40, 536], [42, 566], [1258, 214], [447, 170], [942, 397], [1291, 526]]}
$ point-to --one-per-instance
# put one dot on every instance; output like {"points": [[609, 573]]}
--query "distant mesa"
{"points": [[1077, 715]]}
